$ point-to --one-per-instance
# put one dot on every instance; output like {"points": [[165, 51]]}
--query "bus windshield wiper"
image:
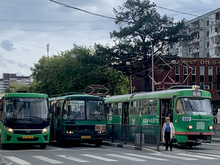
{"points": [[76, 116], [37, 118], [96, 117]]}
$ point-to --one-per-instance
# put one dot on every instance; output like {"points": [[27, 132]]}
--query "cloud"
{"points": [[7, 45]]}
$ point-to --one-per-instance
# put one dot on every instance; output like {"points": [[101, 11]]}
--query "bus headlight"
{"points": [[46, 129], [190, 127], [9, 129], [210, 127]]}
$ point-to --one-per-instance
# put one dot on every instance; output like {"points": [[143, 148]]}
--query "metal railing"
{"points": [[216, 130], [139, 135]]}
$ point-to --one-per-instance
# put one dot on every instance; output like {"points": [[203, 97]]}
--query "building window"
{"points": [[201, 70], [207, 44], [185, 70], [193, 70], [218, 77], [207, 23], [210, 70], [207, 55], [207, 33], [177, 70]]}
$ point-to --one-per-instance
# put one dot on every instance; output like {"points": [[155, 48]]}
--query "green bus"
{"points": [[78, 118], [24, 119], [189, 109]]}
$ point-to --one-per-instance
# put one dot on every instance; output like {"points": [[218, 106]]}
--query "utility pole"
{"points": [[48, 48]]}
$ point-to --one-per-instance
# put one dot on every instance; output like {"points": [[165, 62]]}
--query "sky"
{"points": [[28, 26]]}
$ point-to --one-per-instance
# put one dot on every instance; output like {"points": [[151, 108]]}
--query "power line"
{"points": [[30, 45], [177, 11], [5, 20], [68, 6]]}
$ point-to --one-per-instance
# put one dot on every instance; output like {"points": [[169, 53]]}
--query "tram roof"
{"points": [[156, 94], [40, 95]]}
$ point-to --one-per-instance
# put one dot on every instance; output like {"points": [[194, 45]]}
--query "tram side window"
{"points": [[143, 107], [134, 108], [152, 109], [117, 109], [110, 109]]}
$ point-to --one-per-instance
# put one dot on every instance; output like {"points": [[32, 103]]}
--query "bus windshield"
{"points": [[95, 110], [194, 106], [28, 110], [76, 110]]}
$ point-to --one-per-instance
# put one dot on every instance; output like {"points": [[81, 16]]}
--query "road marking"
{"points": [[174, 157], [196, 156], [17, 160], [127, 157], [147, 157], [99, 158], [72, 158], [209, 155], [43, 158]]}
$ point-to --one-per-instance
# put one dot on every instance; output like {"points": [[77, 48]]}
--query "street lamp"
{"points": [[130, 80]]}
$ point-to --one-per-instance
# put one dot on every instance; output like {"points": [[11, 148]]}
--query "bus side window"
{"points": [[134, 108]]}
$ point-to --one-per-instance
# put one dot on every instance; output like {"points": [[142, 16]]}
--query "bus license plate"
{"points": [[85, 137], [27, 137]]}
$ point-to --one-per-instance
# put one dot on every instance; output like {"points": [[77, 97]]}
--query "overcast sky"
{"points": [[27, 26]]}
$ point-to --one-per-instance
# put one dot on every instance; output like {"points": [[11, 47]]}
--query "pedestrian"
{"points": [[168, 132], [215, 120]]}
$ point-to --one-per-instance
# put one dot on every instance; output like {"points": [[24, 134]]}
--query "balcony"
{"points": [[195, 40], [216, 45], [214, 34]]}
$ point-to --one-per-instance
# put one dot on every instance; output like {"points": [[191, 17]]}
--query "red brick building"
{"points": [[204, 72]]}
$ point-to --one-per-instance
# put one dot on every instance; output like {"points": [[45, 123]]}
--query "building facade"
{"points": [[9, 78], [206, 42]]}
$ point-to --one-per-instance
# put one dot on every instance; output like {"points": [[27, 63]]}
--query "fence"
{"points": [[217, 130], [139, 135]]}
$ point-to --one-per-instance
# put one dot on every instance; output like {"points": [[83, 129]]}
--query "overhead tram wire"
{"points": [[76, 8]]}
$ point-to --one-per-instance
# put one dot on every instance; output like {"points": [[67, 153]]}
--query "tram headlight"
{"points": [[46, 129], [190, 127], [9, 129], [210, 127]]}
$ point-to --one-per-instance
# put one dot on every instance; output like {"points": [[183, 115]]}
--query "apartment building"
{"points": [[206, 43], [9, 78]]}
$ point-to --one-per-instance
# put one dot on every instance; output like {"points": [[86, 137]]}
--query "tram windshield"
{"points": [[194, 106], [28, 110]]}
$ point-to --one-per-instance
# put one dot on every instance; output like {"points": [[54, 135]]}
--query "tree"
{"points": [[14, 87], [143, 32], [66, 73]]}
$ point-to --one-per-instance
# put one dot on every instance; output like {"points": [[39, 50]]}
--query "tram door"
{"points": [[165, 110], [125, 113]]}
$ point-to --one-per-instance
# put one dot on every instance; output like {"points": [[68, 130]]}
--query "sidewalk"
{"points": [[152, 149]]}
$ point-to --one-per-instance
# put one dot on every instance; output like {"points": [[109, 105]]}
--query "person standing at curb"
{"points": [[168, 132]]}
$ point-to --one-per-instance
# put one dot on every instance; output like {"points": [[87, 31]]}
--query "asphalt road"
{"points": [[89, 154]]}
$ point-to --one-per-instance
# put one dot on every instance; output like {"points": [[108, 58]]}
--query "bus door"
{"points": [[125, 113], [165, 110]]}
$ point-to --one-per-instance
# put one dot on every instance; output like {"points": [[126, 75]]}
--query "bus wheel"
{"points": [[98, 143], [43, 146]]}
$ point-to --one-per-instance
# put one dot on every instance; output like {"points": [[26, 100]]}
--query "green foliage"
{"points": [[13, 87], [64, 73]]}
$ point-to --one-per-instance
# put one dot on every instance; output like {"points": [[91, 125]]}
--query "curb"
{"points": [[216, 140], [130, 147]]}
